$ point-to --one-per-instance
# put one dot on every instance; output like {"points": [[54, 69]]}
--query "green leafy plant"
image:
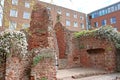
{"points": [[104, 32]]}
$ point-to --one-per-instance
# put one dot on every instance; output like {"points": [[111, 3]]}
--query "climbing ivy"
{"points": [[104, 32]]}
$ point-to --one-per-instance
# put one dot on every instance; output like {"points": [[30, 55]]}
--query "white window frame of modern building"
{"points": [[25, 25], [75, 24], [68, 23], [12, 25], [27, 4], [75, 15], [14, 2], [26, 15], [82, 26], [118, 6], [67, 14], [13, 13], [112, 21], [105, 21]]}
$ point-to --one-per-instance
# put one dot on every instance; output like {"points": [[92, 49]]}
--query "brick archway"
{"points": [[60, 35]]}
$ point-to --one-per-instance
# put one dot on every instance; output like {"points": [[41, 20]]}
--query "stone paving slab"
{"points": [[69, 74], [114, 76]]}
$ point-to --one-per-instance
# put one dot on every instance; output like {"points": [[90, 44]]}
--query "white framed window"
{"points": [[81, 17], [104, 22], [95, 24], [25, 25], [26, 15], [12, 25], [75, 15], [67, 14], [13, 13], [59, 11], [67, 22], [27, 4], [75, 24], [82, 25], [14, 2], [113, 20]]}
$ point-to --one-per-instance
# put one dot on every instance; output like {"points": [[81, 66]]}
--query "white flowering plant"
{"points": [[13, 42]]}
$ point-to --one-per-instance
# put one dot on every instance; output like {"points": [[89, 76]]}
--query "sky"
{"points": [[85, 6]]}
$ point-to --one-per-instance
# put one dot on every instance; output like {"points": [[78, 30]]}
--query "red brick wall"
{"points": [[60, 35], [44, 69], [107, 17], [38, 27], [101, 59]]}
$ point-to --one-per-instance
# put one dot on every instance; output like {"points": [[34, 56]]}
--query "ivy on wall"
{"points": [[104, 32]]}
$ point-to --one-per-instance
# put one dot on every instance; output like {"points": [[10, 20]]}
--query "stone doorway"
{"points": [[97, 59], [118, 60]]}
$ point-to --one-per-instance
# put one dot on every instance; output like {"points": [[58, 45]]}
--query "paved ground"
{"points": [[85, 74]]}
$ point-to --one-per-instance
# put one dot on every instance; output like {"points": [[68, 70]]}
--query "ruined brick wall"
{"points": [[38, 27], [17, 69], [40, 39], [60, 35], [45, 68], [74, 56], [97, 53]]}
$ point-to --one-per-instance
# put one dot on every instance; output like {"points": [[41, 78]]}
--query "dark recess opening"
{"points": [[96, 50]]}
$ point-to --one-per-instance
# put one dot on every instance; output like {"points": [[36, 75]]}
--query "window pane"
{"points": [[12, 25], [59, 11], [67, 23], [14, 2], [27, 4], [95, 24], [67, 14], [26, 15], [82, 25], [75, 24], [75, 15], [13, 13], [113, 20], [118, 6], [81, 17], [25, 25], [104, 22]]}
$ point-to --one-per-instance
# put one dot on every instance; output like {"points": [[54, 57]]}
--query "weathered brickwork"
{"points": [[42, 42], [97, 53], [60, 35], [38, 27], [45, 68]]}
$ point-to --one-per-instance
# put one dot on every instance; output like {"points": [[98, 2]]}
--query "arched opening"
{"points": [[60, 35]]}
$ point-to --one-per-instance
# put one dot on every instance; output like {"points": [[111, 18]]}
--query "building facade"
{"points": [[17, 15], [106, 16]]}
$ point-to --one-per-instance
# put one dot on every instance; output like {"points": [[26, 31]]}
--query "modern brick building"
{"points": [[105, 16], [17, 14]]}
